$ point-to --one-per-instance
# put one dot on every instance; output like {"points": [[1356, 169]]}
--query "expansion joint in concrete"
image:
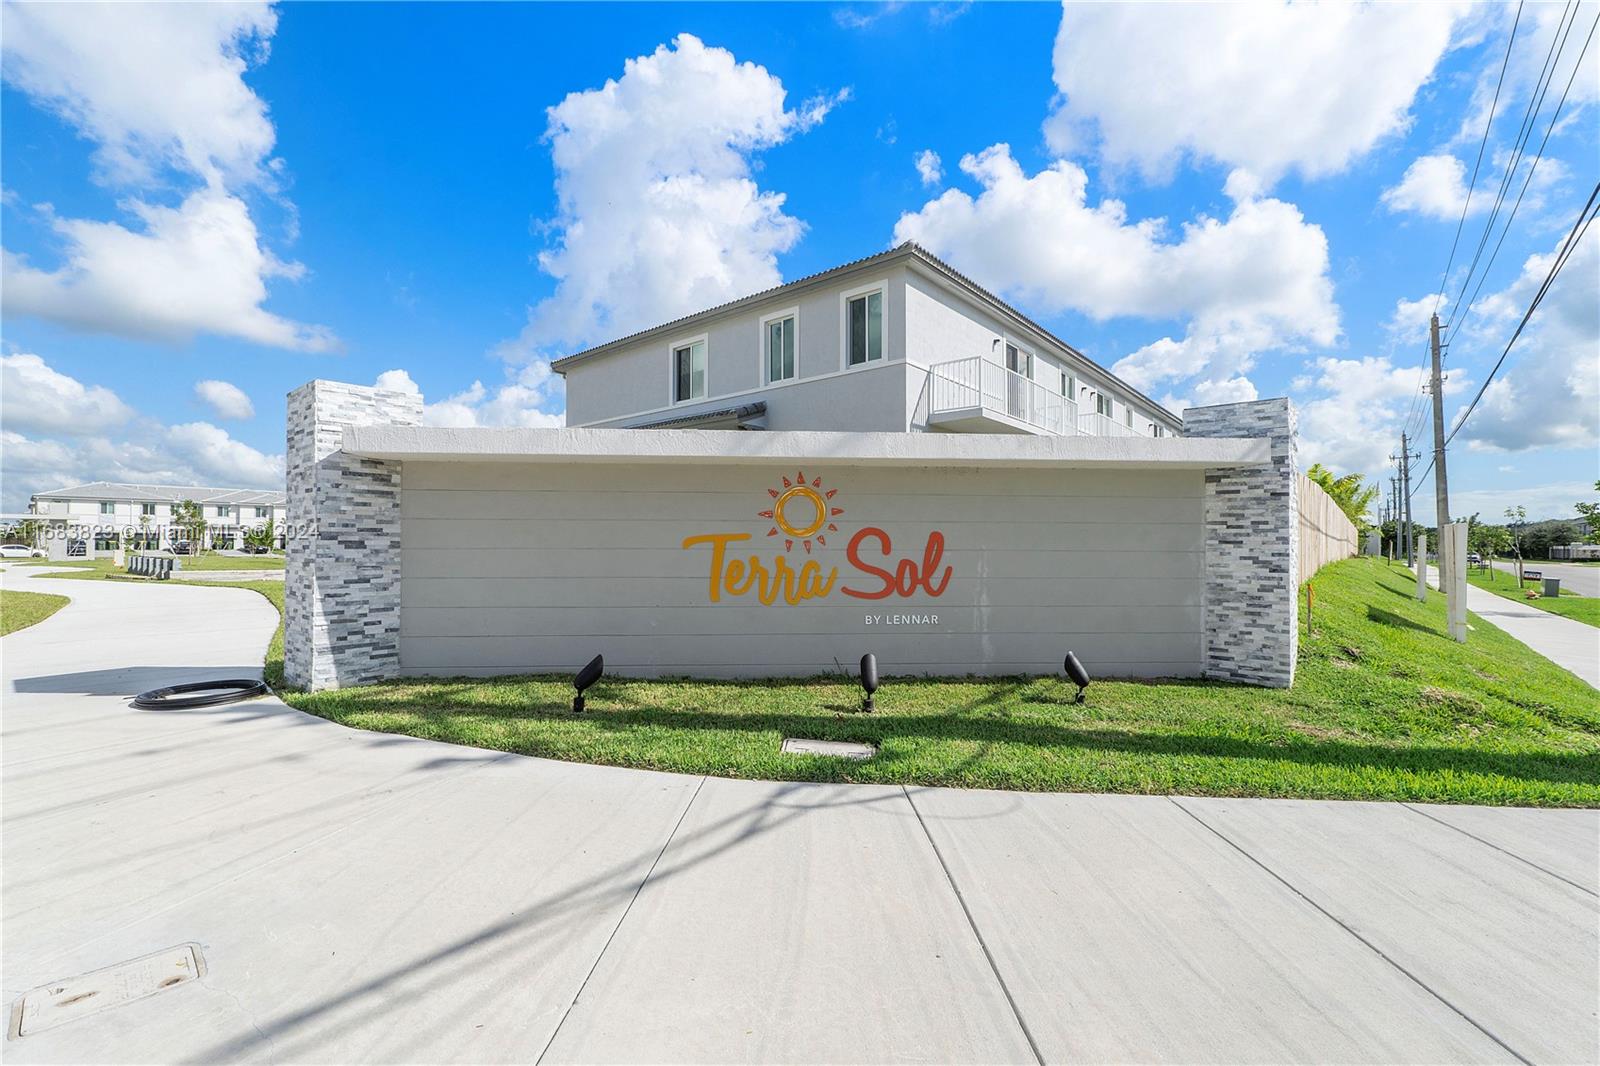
{"points": [[1375, 949], [1503, 851], [977, 933], [601, 954]]}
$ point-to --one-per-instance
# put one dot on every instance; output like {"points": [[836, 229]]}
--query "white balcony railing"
{"points": [[977, 384], [1094, 424]]}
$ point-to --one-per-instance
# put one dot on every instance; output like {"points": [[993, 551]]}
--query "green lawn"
{"points": [[1584, 609], [19, 610], [1385, 707], [185, 562]]}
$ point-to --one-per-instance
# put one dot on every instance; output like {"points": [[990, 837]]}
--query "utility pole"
{"points": [[1404, 458], [1452, 542], [1441, 488], [1394, 511]]}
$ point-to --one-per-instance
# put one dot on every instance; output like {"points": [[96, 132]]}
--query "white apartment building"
{"points": [[896, 342], [144, 516]]}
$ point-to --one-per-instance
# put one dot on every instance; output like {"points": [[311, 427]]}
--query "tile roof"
{"points": [[110, 490]]}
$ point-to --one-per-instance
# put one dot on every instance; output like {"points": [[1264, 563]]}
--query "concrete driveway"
{"points": [[368, 898]]}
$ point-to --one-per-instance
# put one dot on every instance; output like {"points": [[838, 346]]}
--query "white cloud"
{"points": [[1548, 393], [859, 18], [1271, 86], [658, 212], [929, 167], [525, 400], [1434, 186], [171, 111], [153, 85], [1550, 500], [218, 459], [37, 399], [59, 431], [1255, 281], [225, 399], [196, 268], [1352, 423]]}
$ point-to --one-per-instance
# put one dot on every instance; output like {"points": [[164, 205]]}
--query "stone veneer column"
{"points": [[1252, 563], [341, 601]]}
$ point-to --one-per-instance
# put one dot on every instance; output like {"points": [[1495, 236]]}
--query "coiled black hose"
{"points": [[217, 693]]}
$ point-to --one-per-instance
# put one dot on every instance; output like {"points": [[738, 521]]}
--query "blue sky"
{"points": [[206, 207]]}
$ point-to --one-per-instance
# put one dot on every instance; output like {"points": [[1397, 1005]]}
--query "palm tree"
{"points": [[1349, 492]]}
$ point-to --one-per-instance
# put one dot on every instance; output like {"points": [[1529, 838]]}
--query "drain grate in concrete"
{"points": [[68, 1000], [839, 748]]}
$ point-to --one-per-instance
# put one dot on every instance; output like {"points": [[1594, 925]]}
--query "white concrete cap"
{"points": [[479, 444]]}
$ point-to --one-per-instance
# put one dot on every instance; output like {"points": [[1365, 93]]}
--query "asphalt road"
{"points": [[360, 897], [1583, 580]]}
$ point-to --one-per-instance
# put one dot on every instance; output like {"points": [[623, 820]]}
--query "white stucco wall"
{"points": [[535, 567], [634, 382]]}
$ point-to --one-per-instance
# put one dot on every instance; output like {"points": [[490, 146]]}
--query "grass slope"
{"points": [[19, 610], [1584, 609], [1385, 707]]}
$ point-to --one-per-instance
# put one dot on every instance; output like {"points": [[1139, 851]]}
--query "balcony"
{"points": [[976, 395]]}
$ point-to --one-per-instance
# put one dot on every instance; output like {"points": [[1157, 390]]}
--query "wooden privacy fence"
{"points": [[1326, 534]]}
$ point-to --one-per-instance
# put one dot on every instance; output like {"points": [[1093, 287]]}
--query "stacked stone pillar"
{"points": [[1252, 562], [342, 573]]}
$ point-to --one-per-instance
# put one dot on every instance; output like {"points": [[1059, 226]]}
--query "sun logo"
{"points": [[802, 511]]}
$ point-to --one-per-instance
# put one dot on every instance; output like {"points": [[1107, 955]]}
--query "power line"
{"points": [[1574, 238], [1549, 128], [1579, 228], [1535, 103], [1493, 104]]}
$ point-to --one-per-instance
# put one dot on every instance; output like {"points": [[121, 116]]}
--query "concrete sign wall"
{"points": [[435, 551], [789, 570]]}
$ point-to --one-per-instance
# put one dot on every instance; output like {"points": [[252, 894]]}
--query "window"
{"points": [[689, 371], [224, 511], [107, 507], [1069, 388], [1102, 404], [1157, 429], [1127, 417], [263, 512], [1019, 361], [779, 337], [147, 509], [863, 320]]}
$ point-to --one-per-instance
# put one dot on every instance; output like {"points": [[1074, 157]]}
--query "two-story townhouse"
{"points": [[898, 341], [147, 517]]}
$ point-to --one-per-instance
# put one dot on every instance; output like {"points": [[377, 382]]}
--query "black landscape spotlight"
{"points": [[1077, 673], [586, 677], [869, 680]]}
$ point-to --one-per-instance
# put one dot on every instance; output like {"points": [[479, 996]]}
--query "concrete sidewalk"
{"points": [[1567, 643], [369, 898]]}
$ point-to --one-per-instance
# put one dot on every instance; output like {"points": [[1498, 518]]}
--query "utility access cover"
{"points": [[65, 1001], [839, 748]]}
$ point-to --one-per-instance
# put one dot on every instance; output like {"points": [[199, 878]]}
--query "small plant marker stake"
{"points": [[1308, 610]]}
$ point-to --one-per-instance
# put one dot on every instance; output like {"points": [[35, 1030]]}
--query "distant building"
{"points": [[104, 513]]}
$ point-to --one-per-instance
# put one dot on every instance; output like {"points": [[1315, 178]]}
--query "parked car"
{"points": [[183, 547], [19, 551], [255, 549], [1474, 559]]}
